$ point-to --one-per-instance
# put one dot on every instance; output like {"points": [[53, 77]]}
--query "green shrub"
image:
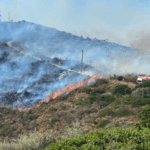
{"points": [[86, 90], [145, 120], [106, 111], [141, 93], [70, 100], [1, 125], [53, 110], [99, 82], [121, 89], [94, 121], [121, 112], [80, 102], [32, 116], [126, 100], [52, 121], [99, 91], [120, 78], [108, 98], [63, 107], [103, 123], [92, 98], [142, 85], [6, 128]]}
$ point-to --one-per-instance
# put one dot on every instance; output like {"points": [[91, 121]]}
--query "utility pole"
{"points": [[9, 16], [81, 61]]}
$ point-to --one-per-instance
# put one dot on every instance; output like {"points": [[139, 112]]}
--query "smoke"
{"points": [[28, 68], [140, 39]]}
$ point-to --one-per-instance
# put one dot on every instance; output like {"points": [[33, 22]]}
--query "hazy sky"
{"points": [[121, 21]]}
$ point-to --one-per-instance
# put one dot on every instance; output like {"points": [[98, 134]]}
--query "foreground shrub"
{"points": [[121, 89], [99, 82], [110, 139], [39, 141], [103, 123], [145, 120]]}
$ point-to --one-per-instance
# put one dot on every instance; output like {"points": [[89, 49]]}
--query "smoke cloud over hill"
{"points": [[29, 51]]}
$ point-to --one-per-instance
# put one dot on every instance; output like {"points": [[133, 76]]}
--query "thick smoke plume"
{"points": [[36, 60]]}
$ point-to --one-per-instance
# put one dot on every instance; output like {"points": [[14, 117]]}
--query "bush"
{"points": [[103, 123], [126, 100], [86, 90], [99, 82], [92, 98], [145, 120], [121, 89], [52, 121], [32, 116], [80, 102], [108, 98], [63, 107], [52, 109], [141, 93], [6, 128], [99, 91], [121, 112], [120, 78], [106, 111], [142, 85]]}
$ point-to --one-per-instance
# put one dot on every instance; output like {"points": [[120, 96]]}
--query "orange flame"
{"points": [[68, 89]]}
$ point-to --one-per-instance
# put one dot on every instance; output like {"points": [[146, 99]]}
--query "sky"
{"points": [[125, 22]]}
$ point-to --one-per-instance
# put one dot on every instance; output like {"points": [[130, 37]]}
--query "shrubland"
{"points": [[105, 108]]}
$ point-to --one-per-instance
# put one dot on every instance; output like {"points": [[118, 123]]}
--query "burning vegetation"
{"points": [[95, 106]]}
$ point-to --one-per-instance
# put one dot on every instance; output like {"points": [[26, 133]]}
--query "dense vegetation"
{"points": [[122, 95]]}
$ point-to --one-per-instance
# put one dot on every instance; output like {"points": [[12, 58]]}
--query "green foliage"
{"points": [[108, 98], [32, 116], [52, 110], [52, 121], [142, 85], [120, 78], [141, 93], [106, 111], [70, 100], [109, 139], [145, 120], [6, 128], [92, 98], [99, 91], [63, 107], [126, 100], [80, 102], [103, 123], [121, 89], [94, 121], [121, 112], [86, 90], [99, 82]]}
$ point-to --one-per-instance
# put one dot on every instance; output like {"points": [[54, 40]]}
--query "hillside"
{"points": [[36, 61], [82, 105]]}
